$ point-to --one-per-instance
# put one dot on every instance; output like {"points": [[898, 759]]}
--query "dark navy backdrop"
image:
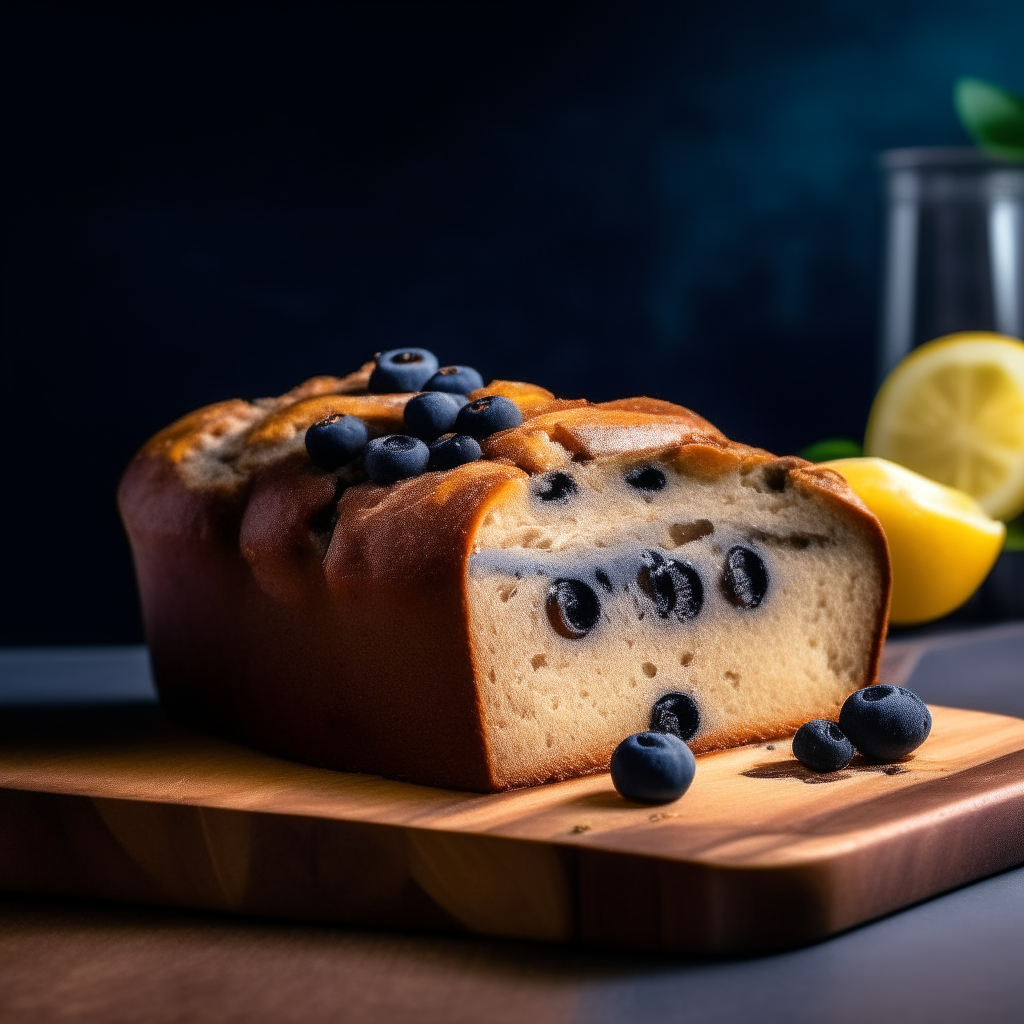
{"points": [[676, 199]]}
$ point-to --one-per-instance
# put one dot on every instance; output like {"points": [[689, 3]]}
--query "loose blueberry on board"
{"points": [[822, 746], [402, 369], [456, 380], [885, 722], [653, 768], [745, 578], [431, 414], [672, 586], [556, 486], [335, 441], [646, 478], [487, 416], [453, 450], [573, 608], [676, 713], [395, 457]]}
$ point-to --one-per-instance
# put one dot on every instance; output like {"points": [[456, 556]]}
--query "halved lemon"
{"points": [[953, 411], [941, 543]]}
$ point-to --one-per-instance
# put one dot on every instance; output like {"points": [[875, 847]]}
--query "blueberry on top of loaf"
{"points": [[511, 619]]}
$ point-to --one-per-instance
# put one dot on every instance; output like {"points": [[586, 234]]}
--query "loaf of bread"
{"points": [[603, 569]]}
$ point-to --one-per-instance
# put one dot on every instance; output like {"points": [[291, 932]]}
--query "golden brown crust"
{"points": [[260, 613], [419, 529], [381, 414], [548, 440], [253, 631], [656, 407], [532, 399]]}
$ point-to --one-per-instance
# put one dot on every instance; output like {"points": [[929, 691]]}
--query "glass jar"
{"points": [[954, 258]]}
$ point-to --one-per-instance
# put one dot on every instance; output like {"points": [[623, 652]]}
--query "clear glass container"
{"points": [[954, 258]]}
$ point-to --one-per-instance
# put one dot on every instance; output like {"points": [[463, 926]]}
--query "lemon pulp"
{"points": [[941, 543], [953, 411]]}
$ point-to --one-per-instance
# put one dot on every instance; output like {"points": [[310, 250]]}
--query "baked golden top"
{"points": [[222, 446]]}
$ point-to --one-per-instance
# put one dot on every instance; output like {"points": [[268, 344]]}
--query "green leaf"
{"points": [[994, 117], [1014, 535], [833, 448]]}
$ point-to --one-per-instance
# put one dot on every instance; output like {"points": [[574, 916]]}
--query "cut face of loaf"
{"points": [[508, 622], [727, 607]]}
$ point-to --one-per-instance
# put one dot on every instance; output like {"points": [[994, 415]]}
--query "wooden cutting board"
{"points": [[760, 854]]}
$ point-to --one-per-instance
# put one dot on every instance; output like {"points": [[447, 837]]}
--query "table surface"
{"points": [[955, 958]]}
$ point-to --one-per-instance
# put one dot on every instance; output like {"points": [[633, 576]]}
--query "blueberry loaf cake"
{"points": [[406, 573]]}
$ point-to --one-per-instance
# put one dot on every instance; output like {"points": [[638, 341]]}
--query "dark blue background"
{"points": [[674, 199]]}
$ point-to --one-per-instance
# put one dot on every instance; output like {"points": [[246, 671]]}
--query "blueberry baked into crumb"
{"points": [[416, 572]]}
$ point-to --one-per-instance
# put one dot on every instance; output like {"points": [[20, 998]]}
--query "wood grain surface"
{"points": [[760, 854]]}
